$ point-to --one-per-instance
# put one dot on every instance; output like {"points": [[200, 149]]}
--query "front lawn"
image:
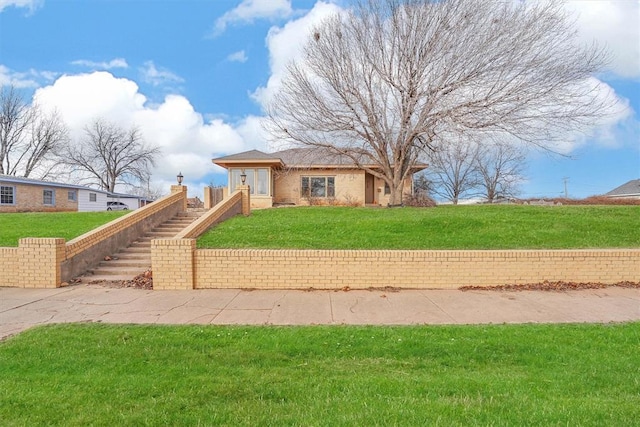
{"points": [[68, 225], [95, 374], [443, 227]]}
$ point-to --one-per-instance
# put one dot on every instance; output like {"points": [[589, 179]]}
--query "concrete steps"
{"points": [[136, 259]]}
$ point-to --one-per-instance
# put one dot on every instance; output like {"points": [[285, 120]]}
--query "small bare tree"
{"points": [[501, 167], [390, 79], [29, 138], [109, 155], [453, 169]]}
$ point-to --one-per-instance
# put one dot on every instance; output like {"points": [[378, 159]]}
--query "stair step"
{"points": [[125, 271], [134, 250], [111, 278], [136, 258], [156, 233], [125, 263]]}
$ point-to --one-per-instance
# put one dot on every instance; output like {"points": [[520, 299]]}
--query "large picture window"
{"points": [[318, 186], [257, 180], [7, 195]]}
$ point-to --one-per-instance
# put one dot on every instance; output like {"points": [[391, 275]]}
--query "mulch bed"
{"points": [[559, 286], [141, 281], [145, 281]]}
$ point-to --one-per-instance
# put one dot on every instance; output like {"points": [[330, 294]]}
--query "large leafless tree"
{"points": [[109, 155], [390, 79], [29, 137]]}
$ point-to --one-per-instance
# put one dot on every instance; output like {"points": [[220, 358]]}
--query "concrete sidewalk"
{"points": [[24, 308]]}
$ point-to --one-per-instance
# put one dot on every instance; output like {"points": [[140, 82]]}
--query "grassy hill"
{"points": [[443, 227]]}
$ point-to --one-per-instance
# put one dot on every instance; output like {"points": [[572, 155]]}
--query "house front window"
{"points": [[71, 196], [48, 197], [257, 180], [7, 195], [318, 186], [92, 197]]}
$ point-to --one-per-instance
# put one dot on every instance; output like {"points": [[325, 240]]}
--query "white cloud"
{"points": [[615, 23], [239, 56], [282, 50], [29, 79], [158, 76], [187, 140], [250, 10], [114, 63], [32, 5]]}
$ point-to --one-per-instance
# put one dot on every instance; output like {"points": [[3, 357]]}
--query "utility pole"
{"points": [[566, 193]]}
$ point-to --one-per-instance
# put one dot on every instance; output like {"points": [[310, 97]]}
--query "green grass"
{"points": [[67, 225], [443, 227], [93, 374]]}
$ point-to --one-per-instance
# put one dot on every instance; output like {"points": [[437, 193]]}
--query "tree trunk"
{"points": [[395, 198]]}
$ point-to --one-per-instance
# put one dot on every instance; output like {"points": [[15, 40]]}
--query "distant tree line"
{"points": [[460, 169]]}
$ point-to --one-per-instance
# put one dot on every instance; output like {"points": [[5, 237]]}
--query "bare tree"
{"points": [[501, 167], [29, 138], [109, 155], [391, 79], [453, 169]]}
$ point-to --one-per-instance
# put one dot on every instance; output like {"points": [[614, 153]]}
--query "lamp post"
{"points": [[180, 177], [243, 177]]}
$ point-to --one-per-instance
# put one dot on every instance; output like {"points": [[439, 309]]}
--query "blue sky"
{"points": [[194, 76]]}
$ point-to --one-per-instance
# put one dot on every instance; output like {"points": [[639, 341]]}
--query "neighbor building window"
{"points": [[48, 197], [318, 186], [92, 197], [7, 195], [71, 196], [257, 180]]}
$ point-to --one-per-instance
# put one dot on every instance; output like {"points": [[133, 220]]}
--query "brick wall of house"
{"points": [[30, 198], [349, 185], [383, 199], [333, 269]]}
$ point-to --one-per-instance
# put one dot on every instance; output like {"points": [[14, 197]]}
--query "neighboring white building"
{"points": [[91, 200], [133, 202]]}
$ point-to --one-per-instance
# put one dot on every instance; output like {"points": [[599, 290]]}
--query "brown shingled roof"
{"points": [[305, 157]]}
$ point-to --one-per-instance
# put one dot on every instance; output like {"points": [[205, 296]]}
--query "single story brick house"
{"points": [[302, 176], [30, 195], [628, 190]]}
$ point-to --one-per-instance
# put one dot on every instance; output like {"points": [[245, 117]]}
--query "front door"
{"points": [[369, 189]]}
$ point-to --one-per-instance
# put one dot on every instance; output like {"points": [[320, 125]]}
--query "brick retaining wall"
{"points": [[46, 263], [172, 259], [335, 269]]}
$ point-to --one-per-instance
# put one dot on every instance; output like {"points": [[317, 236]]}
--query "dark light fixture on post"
{"points": [[243, 177], [180, 177]]}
